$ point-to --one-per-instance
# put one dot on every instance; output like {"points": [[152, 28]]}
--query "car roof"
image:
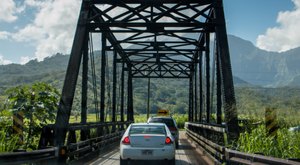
{"points": [[147, 124], [169, 117]]}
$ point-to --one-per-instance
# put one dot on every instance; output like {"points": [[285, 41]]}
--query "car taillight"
{"points": [[168, 140], [126, 140]]}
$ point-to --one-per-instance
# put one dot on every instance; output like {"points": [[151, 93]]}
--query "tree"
{"points": [[38, 103]]}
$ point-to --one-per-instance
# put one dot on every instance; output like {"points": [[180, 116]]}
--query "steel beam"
{"points": [[201, 102], [103, 70], [130, 114], [230, 109], [150, 2], [85, 60], [207, 59], [219, 87], [195, 94], [114, 100], [191, 99], [66, 101], [122, 95]]}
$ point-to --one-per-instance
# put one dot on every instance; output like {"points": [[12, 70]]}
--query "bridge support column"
{"points": [[103, 69], [66, 101], [114, 99], [122, 96], [219, 87], [130, 115], [191, 99], [230, 109], [84, 133], [200, 87], [207, 58], [196, 94]]}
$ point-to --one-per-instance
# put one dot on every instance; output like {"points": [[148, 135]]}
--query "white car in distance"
{"points": [[147, 141]]}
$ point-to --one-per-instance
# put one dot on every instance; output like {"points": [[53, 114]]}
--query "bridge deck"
{"points": [[187, 154]]}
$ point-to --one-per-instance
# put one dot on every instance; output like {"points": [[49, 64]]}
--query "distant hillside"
{"points": [[264, 68], [51, 70], [250, 66]]}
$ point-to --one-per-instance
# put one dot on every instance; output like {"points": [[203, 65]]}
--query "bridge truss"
{"points": [[151, 39]]}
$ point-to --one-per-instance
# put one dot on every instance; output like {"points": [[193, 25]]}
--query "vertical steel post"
{"points": [[230, 109], [191, 98], [114, 101], [207, 54], [196, 94], [122, 96], [83, 115], [103, 67], [130, 115], [66, 101], [219, 87], [148, 100], [201, 86]]}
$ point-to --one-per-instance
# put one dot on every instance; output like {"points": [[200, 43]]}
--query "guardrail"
{"points": [[77, 151], [37, 156], [236, 157], [98, 136], [206, 135], [220, 154]]}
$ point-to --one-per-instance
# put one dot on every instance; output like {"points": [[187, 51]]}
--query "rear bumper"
{"points": [[134, 153]]}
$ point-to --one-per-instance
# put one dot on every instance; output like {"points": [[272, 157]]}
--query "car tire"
{"points": [[123, 161], [172, 161]]}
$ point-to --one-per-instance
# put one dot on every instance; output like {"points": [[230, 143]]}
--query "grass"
{"points": [[285, 145], [256, 140], [8, 144]]}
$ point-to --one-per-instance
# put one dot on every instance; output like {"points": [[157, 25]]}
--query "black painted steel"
{"points": [[66, 101], [230, 109], [151, 39], [103, 77], [163, 39]]}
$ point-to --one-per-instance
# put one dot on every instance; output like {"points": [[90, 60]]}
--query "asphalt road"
{"points": [[187, 154]]}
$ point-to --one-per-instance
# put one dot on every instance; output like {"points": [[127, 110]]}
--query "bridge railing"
{"points": [[204, 136], [37, 156], [82, 140], [210, 138]]}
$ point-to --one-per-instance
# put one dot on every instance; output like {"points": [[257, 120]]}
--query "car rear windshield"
{"points": [[140, 129], [168, 122]]}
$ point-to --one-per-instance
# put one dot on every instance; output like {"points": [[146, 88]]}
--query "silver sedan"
{"points": [[147, 141]]}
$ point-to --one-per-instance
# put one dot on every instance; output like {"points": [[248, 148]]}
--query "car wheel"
{"points": [[172, 161], [176, 145], [123, 161]]}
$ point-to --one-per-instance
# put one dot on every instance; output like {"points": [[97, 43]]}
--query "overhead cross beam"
{"points": [[155, 39], [168, 29]]}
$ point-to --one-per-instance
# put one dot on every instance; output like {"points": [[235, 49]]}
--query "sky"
{"points": [[36, 29]]}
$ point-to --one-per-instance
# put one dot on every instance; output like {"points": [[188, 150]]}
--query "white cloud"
{"points": [[9, 10], [3, 61], [53, 27], [24, 60], [36, 3], [4, 35], [286, 35], [54, 24]]}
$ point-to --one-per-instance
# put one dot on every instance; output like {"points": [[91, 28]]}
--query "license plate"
{"points": [[147, 152]]}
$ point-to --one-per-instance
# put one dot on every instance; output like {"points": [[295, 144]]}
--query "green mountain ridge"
{"points": [[171, 93], [263, 68]]}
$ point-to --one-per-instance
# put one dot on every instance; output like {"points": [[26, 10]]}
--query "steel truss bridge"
{"points": [[174, 39]]}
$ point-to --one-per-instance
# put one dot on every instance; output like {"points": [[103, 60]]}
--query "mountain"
{"points": [[250, 66], [51, 70], [260, 67]]}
